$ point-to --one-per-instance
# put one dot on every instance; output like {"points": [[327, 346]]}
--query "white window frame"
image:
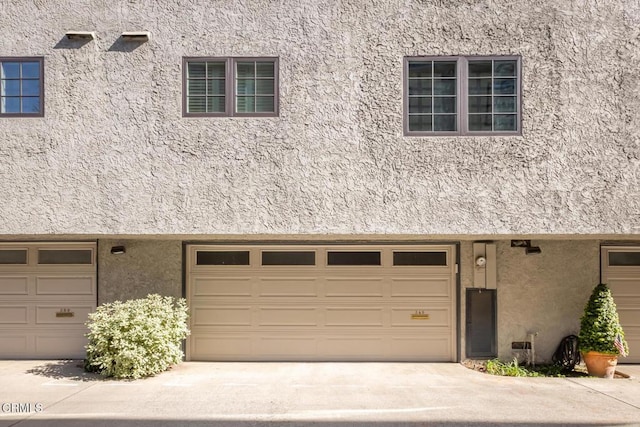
{"points": [[462, 92]]}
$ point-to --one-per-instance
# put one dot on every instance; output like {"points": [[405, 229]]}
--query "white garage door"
{"points": [[309, 303], [46, 293], [621, 272]]}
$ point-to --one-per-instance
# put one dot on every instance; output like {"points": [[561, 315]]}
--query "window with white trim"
{"points": [[470, 95], [230, 87], [21, 87]]}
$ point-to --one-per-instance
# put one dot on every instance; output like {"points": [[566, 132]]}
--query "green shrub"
{"points": [[600, 325], [496, 367], [512, 369], [137, 338]]}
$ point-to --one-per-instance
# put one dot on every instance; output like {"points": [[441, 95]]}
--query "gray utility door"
{"points": [[621, 272], [481, 323], [322, 302], [47, 291]]}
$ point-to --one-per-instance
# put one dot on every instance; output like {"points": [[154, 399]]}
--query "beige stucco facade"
{"points": [[147, 267], [113, 160], [113, 154]]}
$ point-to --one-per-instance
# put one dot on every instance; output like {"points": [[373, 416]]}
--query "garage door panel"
{"points": [[14, 314], [61, 345], [215, 347], [222, 286], [221, 316], [624, 287], [353, 345], [288, 316], [434, 348], [423, 317], [70, 314], [14, 285], [354, 287], [354, 316], [286, 346], [13, 344], [632, 303], [425, 286], [288, 287], [65, 285], [630, 319], [632, 336]]}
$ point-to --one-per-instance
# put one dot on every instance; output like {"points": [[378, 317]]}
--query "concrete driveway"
{"points": [[59, 393]]}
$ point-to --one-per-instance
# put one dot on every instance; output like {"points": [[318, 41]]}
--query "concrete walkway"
{"points": [[59, 393]]}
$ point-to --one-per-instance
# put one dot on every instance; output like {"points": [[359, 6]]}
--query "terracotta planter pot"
{"points": [[600, 364]]}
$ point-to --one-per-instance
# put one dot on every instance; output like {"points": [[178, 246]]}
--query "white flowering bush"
{"points": [[137, 338]]}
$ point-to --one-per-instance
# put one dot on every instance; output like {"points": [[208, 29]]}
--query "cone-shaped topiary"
{"points": [[600, 325]]}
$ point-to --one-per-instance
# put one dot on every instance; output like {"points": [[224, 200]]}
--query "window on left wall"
{"points": [[21, 87]]}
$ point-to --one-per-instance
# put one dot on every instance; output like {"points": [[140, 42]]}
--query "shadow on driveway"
{"points": [[65, 369]]}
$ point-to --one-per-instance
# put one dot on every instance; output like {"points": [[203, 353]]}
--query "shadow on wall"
{"points": [[66, 43], [123, 45]]}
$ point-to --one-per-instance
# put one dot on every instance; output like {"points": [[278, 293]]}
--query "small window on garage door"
{"points": [[222, 258], [65, 256], [359, 258], [421, 258], [13, 256], [288, 258], [624, 259]]}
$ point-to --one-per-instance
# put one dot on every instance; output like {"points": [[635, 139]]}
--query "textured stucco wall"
{"points": [[543, 293], [147, 267], [114, 156]]}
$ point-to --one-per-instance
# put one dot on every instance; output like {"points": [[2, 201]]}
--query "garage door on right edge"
{"points": [[322, 302], [621, 272]]}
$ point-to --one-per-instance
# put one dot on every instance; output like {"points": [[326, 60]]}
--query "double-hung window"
{"points": [[462, 96], [21, 87], [230, 87]]}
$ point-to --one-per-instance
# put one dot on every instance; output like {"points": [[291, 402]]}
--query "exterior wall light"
{"points": [[81, 35], [526, 244], [533, 250], [118, 250], [136, 36]]}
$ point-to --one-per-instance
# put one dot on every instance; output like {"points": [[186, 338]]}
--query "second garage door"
{"points": [[47, 290], [621, 271], [312, 303]]}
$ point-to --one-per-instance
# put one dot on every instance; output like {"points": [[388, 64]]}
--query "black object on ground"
{"points": [[567, 355]]}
